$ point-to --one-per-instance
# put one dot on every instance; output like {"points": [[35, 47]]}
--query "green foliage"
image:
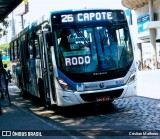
{"points": [[3, 51], [5, 24], [3, 48]]}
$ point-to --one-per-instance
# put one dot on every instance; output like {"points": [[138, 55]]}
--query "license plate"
{"points": [[104, 98]]}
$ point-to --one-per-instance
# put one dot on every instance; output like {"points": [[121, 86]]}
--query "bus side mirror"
{"points": [[49, 39]]}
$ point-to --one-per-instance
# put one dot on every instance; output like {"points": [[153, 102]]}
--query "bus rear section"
{"points": [[93, 57]]}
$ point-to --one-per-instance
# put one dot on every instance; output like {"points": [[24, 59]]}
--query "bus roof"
{"points": [[80, 10]]}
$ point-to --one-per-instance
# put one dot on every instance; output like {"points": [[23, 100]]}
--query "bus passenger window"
{"points": [[18, 50], [15, 50], [11, 52], [37, 49], [30, 52], [33, 46]]}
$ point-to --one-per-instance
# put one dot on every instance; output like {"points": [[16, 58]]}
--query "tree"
{"points": [[3, 48], [5, 24]]}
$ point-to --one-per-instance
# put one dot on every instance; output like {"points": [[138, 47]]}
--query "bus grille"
{"points": [[91, 97]]}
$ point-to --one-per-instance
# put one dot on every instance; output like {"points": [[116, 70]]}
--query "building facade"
{"points": [[147, 22]]}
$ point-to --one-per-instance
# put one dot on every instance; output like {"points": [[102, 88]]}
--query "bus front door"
{"points": [[47, 73]]}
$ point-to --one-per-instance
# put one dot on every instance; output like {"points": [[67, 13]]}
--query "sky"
{"points": [[38, 8]]}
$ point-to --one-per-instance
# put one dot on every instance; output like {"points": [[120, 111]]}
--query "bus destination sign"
{"points": [[83, 17], [90, 16]]}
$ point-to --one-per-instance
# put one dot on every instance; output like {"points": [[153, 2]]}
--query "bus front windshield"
{"points": [[93, 49]]}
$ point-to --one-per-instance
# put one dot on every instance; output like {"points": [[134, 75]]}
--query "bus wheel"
{"points": [[41, 91]]}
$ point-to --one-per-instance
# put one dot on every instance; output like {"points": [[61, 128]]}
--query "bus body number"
{"points": [[67, 18]]}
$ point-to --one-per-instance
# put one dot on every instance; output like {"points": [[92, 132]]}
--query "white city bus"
{"points": [[76, 57]]}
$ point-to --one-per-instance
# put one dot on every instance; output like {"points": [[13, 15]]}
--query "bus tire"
{"points": [[41, 91]]}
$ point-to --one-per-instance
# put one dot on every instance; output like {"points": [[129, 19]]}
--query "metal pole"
{"points": [[13, 25], [22, 21], [152, 32]]}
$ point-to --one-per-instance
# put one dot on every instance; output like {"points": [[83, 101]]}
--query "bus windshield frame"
{"points": [[94, 48]]}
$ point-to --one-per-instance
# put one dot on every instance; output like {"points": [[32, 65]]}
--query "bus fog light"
{"points": [[66, 98]]}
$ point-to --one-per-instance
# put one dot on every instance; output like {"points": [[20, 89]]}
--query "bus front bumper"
{"points": [[68, 98]]}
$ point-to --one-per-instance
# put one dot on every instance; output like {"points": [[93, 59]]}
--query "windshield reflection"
{"points": [[94, 49]]}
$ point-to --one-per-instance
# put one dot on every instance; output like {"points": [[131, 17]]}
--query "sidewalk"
{"points": [[13, 117], [15, 120], [148, 83]]}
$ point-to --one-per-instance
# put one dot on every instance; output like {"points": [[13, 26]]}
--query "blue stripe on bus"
{"points": [[114, 86], [74, 85], [67, 80]]}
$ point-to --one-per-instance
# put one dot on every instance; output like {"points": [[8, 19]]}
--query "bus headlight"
{"points": [[132, 77], [64, 85]]}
